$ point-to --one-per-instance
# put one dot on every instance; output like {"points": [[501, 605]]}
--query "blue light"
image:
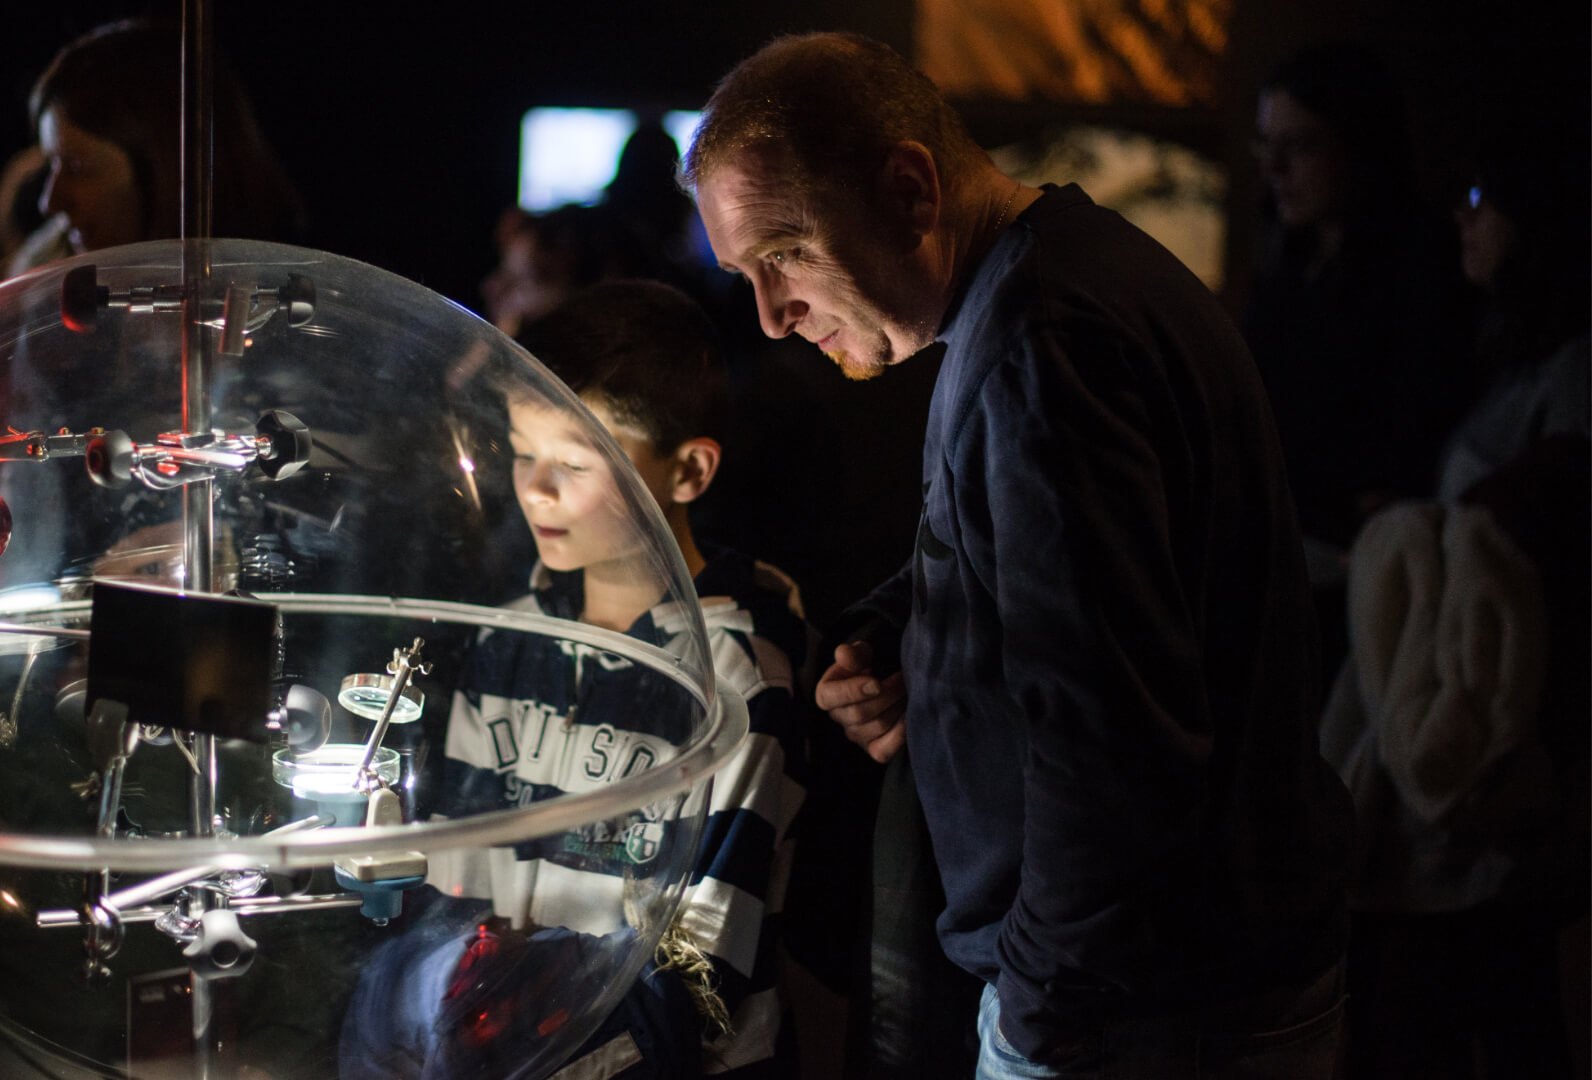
{"points": [[568, 155]]}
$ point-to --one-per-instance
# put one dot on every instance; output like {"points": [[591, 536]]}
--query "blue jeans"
{"points": [[1294, 1036]]}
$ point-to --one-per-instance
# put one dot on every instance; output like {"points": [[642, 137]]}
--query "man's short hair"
{"points": [[646, 350], [827, 108]]}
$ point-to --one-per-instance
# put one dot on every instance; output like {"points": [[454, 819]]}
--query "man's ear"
{"points": [[696, 461], [909, 185]]}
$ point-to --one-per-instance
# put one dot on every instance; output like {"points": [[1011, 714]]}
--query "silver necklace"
{"points": [[1008, 205]]}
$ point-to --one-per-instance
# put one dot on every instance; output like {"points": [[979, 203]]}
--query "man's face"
{"points": [[823, 268], [568, 492]]}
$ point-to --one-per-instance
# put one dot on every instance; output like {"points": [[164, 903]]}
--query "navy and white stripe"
{"points": [[534, 718]]}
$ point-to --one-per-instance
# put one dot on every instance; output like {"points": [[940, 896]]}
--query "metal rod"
{"points": [[202, 786], [10, 725], [404, 661], [206, 1043], [43, 631], [55, 918], [111, 797], [400, 679], [198, 148], [198, 160], [157, 887]]}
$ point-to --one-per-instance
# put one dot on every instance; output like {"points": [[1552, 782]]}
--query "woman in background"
{"points": [[1357, 311], [108, 116], [1460, 723]]}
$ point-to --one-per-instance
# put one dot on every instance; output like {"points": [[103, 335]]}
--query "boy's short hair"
{"points": [[646, 349]]}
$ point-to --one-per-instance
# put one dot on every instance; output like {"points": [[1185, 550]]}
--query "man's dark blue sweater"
{"points": [[1108, 645]]}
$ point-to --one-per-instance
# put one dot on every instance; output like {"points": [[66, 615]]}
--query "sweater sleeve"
{"points": [[878, 619], [1067, 451]]}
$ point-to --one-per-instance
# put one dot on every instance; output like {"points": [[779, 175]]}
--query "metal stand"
{"points": [[198, 522]]}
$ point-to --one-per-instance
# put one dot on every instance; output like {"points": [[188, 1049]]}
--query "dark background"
{"points": [[399, 121]]}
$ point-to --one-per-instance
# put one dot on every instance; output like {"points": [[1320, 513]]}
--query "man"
{"points": [[1107, 664]]}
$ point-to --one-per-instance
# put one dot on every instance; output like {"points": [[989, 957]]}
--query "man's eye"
{"points": [[786, 255]]}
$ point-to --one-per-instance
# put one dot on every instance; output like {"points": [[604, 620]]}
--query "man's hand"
{"points": [[869, 710]]}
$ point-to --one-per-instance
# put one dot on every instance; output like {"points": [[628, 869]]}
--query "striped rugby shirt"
{"points": [[535, 718]]}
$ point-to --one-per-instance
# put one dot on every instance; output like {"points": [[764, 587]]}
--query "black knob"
{"points": [[298, 297], [81, 298], [290, 443], [109, 458], [308, 719]]}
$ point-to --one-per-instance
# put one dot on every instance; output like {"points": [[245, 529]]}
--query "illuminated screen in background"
{"points": [[568, 155]]}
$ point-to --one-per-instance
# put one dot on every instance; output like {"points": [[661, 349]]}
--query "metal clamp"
{"points": [[281, 446], [241, 311]]}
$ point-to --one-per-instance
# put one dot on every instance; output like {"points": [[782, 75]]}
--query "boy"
{"points": [[642, 358]]}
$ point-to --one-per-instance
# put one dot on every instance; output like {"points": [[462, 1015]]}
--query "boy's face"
{"points": [[567, 491]]}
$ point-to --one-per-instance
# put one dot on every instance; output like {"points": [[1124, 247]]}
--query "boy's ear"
{"points": [[696, 461]]}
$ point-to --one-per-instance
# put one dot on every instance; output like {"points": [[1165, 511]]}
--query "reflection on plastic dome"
{"points": [[299, 774]]}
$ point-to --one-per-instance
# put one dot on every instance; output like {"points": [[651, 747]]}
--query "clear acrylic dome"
{"points": [[269, 796]]}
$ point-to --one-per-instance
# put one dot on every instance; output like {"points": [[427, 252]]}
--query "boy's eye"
{"points": [[567, 466]]}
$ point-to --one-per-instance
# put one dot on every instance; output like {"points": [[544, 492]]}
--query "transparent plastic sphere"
{"points": [[271, 796]]}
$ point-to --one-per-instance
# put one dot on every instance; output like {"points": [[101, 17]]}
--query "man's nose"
{"points": [[777, 310]]}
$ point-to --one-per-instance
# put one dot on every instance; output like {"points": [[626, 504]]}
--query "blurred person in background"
{"points": [[1523, 227], [21, 182], [107, 113], [1460, 721], [1357, 312]]}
